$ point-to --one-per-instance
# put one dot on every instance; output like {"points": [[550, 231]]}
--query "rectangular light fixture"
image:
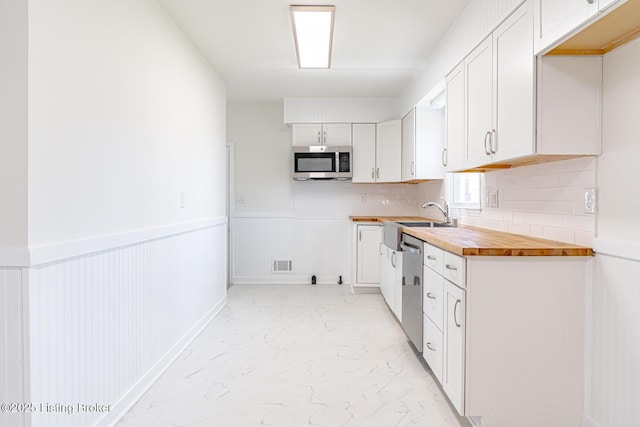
{"points": [[313, 35]]}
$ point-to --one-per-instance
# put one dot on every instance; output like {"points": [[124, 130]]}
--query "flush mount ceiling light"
{"points": [[313, 35]]}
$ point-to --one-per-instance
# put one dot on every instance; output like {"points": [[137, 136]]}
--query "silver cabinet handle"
{"points": [[373, 173], [444, 153], [377, 173], [360, 236], [413, 168], [491, 139], [430, 295], [450, 267], [431, 258], [380, 248], [590, 1], [393, 259], [487, 151], [455, 311], [324, 137], [318, 137], [431, 347]]}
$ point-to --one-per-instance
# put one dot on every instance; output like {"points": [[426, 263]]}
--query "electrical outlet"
{"points": [[363, 198], [240, 199], [493, 198], [590, 200]]}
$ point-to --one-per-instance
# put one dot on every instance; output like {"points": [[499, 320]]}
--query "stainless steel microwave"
{"points": [[322, 162]]}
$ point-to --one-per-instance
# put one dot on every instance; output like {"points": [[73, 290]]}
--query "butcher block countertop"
{"points": [[474, 241]]}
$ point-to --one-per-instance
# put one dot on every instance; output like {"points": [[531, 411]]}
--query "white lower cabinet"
{"points": [[432, 351], [391, 279], [453, 380], [506, 340], [367, 243]]}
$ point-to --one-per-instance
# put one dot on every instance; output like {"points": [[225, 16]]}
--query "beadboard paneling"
{"points": [[11, 337], [104, 325], [320, 246], [613, 349]]}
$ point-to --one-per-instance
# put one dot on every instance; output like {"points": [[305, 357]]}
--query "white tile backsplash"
{"points": [[545, 201]]}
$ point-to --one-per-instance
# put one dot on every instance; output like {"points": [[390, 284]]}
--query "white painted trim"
{"points": [[617, 248], [288, 279], [120, 408], [261, 214], [64, 250], [14, 257]]}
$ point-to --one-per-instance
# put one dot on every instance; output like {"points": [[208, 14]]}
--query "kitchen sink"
{"points": [[425, 224], [392, 231]]}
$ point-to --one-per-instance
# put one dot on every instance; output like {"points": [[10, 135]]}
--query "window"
{"points": [[464, 190]]}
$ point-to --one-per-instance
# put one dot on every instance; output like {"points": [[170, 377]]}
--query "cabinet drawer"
{"points": [[433, 302], [432, 347], [455, 269], [433, 258]]}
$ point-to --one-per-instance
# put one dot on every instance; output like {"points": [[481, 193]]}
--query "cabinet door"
{"points": [[396, 263], [306, 134], [429, 144], [454, 118], [364, 152], [409, 146], [369, 239], [454, 345], [479, 84], [387, 277], [555, 19], [514, 86], [336, 134], [388, 151]]}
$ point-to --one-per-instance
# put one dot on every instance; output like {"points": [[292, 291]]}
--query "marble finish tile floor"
{"points": [[297, 355]]}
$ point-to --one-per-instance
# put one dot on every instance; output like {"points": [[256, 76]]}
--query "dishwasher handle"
{"points": [[410, 248]]}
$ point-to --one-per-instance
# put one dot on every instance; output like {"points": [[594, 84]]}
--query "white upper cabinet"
{"points": [[479, 89], [422, 144], [514, 66], [376, 152], [455, 128], [334, 134], [388, 151], [557, 18], [505, 86], [364, 152]]}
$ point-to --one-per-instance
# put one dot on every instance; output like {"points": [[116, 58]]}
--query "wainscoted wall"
{"points": [[613, 337], [11, 337], [101, 326], [316, 236]]}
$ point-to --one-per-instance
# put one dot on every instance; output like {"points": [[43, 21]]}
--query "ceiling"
{"points": [[378, 45]]}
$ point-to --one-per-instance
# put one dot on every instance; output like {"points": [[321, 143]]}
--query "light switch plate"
{"points": [[493, 198], [590, 200]]}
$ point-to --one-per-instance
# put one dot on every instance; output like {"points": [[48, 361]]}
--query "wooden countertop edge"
{"points": [[554, 248]]}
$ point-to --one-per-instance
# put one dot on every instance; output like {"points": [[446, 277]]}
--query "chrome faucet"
{"points": [[444, 209]]}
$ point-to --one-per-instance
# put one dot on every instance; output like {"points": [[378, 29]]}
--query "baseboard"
{"points": [[285, 279], [126, 402], [365, 289]]}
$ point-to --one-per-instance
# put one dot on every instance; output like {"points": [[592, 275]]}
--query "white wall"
{"points": [[124, 114], [13, 124], [473, 25], [613, 329]]}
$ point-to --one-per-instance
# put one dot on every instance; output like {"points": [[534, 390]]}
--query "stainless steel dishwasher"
{"points": [[412, 289]]}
